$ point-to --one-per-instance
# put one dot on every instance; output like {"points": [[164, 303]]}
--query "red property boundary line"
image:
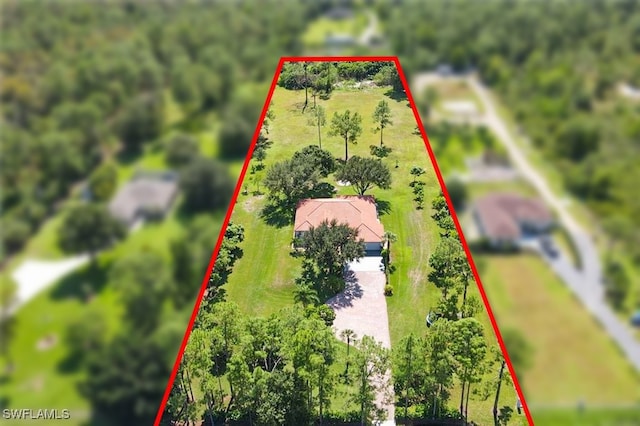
{"points": [[427, 143]]}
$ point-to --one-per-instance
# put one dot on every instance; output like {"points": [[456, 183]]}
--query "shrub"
{"points": [[181, 149], [457, 192], [326, 314], [388, 290], [15, 233], [207, 185], [103, 181]]}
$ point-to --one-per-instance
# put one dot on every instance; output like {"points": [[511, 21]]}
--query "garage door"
{"points": [[372, 249]]}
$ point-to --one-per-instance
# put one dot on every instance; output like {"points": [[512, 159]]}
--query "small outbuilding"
{"points": [[146, 196]]}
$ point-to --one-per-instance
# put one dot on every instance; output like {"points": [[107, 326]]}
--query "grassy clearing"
{"points": [[517, 186], [589, 417], [49, 378], [319, 29], [572, 358], [291, 132], [452, 154], [262, 281]]}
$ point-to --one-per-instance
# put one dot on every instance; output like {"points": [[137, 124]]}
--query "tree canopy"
{"points": [[330, 246], [206, 184], [348, 126], [89, 228], [364, 173]]}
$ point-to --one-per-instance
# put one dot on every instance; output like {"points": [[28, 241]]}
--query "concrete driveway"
{"points": [[362, 307], [33, 276], [366, 264]]}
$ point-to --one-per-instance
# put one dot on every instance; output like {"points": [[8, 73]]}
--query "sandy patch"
{"points": [[47, 342], [251, 203]]}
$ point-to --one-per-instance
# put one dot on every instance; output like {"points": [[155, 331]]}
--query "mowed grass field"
{"points": [[263, 279], [571, 358]]}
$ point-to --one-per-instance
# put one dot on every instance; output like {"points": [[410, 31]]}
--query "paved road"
{"points": [[371, 30], [585, 283]]}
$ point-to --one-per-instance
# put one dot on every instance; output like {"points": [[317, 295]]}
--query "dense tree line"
{"points": [[321, 76], [274, 370]]}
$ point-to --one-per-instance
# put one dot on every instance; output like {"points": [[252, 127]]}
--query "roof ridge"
{"points": [[369, 228]]}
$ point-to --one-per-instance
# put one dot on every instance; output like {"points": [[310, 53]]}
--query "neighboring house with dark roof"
{"points": [[146, 196], [504, 218], [358, 212]]}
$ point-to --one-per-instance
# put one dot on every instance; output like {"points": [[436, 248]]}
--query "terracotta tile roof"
{"points": [[501, 214], [358, 212]]}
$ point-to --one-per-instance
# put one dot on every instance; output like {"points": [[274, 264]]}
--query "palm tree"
{"points": [[382, 116], [348, 335], [306, 86], [305, 295], [389, 237]]}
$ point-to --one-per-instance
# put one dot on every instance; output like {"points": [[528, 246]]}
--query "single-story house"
{"points": [[504, 218], [358, 212], [146, 196]]}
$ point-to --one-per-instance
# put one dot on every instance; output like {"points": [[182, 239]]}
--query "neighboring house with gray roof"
{"points": [[502, 219], [146, 196]]}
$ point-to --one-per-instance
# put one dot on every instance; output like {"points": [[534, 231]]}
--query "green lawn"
{"points": [[572, 358], [262, 281], [49, 378], [589, 417], [268, 253]]}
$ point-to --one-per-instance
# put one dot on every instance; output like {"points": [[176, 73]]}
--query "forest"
{"points": [[90, 83], [559, 76]]}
